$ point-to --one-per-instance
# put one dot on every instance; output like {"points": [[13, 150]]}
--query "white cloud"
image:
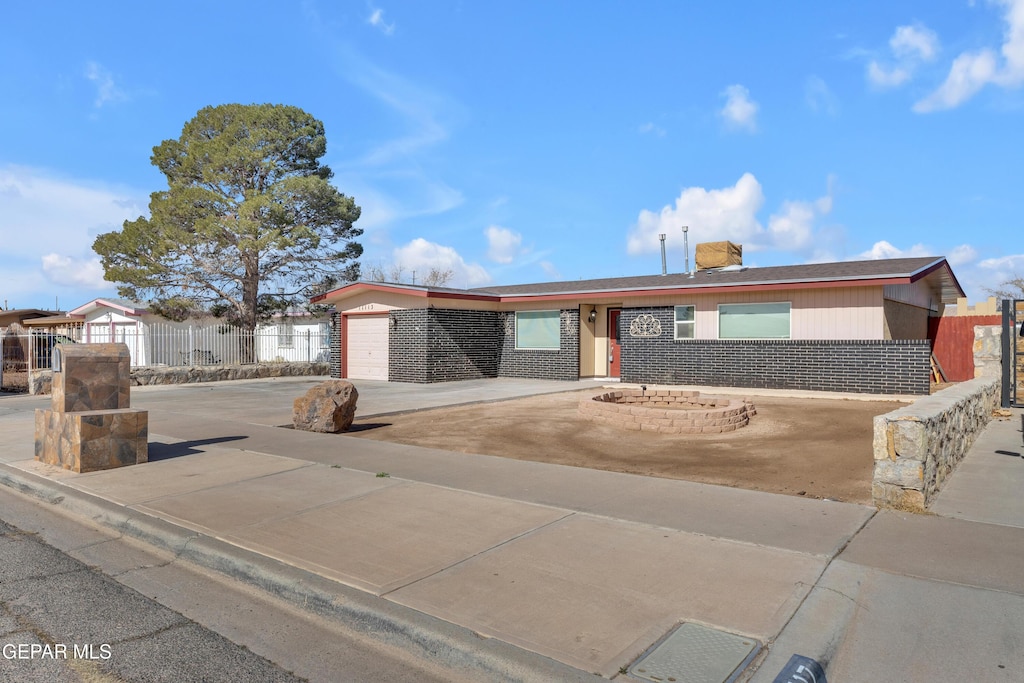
{"points": [[64, 270], [881, 77], [421, 255], [48, 225], [793, 226], [989, 274], [1012, 262], [974, 69], [884, 250], [969, 74], [376, 19], [550, 270], [69, 212], [726, 214], [910, 46], [820, 97], [961, 255], [651, 129], [739, 112], [106, 90], [502, 244], [730, 214], [915, 41]]}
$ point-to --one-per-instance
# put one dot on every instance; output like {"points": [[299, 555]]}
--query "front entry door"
{"points": [[614, 350]]}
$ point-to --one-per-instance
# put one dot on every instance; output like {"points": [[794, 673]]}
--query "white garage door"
{"points": [[368, 347]]}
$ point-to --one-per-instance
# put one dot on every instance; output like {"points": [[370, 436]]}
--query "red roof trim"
{"points": [[925, 272], [408, 291]]}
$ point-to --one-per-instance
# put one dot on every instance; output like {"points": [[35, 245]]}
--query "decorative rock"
{"points": [[328, 407]]}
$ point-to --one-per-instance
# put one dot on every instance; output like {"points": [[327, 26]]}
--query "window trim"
{"points": [[558, 314], [676, 322], [789, 310]]}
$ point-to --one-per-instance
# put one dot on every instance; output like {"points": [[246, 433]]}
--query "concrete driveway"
{"points": [[269, 401]]}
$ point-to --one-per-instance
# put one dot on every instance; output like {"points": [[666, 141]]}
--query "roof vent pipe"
{"points": [[664, 268], [686, 248]]}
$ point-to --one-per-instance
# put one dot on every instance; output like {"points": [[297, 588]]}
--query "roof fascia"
{"points": [[356, 287], [931, 268], [710, 289]]}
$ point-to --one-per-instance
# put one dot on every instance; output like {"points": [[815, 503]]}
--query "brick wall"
{"points": [[443, 345], [563, 364], [462, 344], [334, 362], [407, 345], [861, 366]]}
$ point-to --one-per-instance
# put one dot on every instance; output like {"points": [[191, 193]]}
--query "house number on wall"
{"points": [[645, 325]]}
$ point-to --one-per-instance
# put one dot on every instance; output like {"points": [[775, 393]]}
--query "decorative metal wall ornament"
{"points": [[572, 324], [645, 325]]}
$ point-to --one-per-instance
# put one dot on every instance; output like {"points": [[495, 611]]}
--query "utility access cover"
{"points": [[696, 654]]}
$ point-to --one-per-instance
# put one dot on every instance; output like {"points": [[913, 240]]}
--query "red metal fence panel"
{"points": [[953, 343]]}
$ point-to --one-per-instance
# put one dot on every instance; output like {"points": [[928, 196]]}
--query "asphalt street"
{"points": [[102, 609], [63, 621]]}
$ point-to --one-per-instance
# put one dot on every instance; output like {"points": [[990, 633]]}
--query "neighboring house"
{"points": [[859, 326], [117, 320], [155, 340], [22, 315], [295, 335]]}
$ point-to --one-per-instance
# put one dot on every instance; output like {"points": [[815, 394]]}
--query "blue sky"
{"points": [[534, 141]]}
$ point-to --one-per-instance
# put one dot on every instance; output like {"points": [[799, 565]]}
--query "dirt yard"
{"points": [[803, 447]]}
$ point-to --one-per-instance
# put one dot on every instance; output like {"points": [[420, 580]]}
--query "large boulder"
{"points": [[328, 407]]}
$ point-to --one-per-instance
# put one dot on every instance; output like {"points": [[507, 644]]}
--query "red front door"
{"points": [[614, 350]]}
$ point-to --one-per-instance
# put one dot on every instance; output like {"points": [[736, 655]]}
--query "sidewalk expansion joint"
{"points": [[528, 532]]}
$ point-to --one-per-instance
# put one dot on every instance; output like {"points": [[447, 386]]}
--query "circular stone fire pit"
{"points": [[668, 411]]}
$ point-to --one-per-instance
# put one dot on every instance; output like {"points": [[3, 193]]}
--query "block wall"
{"points": [[408, 348], [563, 364], [860, 366]]}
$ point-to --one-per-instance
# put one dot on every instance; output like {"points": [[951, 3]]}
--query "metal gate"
{"points": [[1013, 353]]}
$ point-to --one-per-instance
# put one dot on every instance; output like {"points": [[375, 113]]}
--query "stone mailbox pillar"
{"points": [[90, 425]]}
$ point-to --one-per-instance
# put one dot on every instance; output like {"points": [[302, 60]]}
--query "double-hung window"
{"points": [[754, 321], [684, 322], [538, 330]]}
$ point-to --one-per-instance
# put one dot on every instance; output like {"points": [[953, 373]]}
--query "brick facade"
{"points": [[861, 366], [463, 344], [335, 353], [443, 345], [563, 364], [407, 345]]}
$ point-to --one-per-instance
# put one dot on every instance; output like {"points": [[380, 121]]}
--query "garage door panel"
{"points": [[367, 347]]}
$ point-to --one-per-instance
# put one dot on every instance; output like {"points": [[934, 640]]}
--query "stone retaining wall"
{"points": [[988, 350], [40, 381], [918, 446]]}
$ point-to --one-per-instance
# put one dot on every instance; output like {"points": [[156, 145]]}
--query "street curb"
{"points": [[427, 637]]}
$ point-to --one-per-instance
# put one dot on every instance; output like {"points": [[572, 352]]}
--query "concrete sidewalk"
{"points": [[585, 569]]}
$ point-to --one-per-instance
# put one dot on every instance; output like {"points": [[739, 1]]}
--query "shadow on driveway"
{"points": [[165, 451]]}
